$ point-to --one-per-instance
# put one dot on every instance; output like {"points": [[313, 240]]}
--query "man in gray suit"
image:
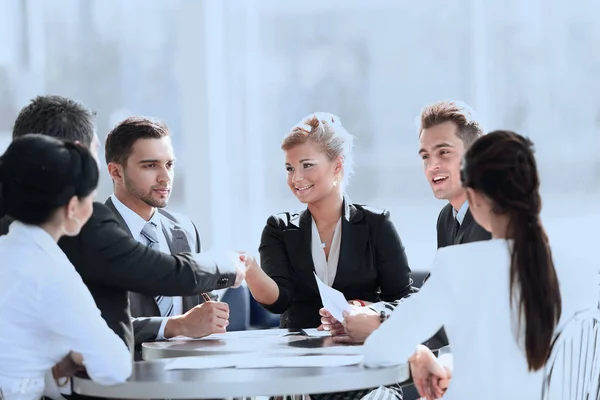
{"points": [[140, 161]]}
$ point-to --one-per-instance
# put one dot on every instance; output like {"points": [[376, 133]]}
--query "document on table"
{"points": [[313, 332], [255, 333], [261, 360], [333, 300], [302, 361], [203, 362]]}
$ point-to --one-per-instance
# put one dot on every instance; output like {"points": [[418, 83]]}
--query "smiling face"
{"points": [[310, 173], [441, 151]]}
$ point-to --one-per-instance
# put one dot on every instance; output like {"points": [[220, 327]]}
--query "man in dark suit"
{"points": [[110, 262], [447, 130], [141, 164]]}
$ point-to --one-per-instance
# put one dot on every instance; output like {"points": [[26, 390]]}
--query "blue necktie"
{"points": [[165, 303]]}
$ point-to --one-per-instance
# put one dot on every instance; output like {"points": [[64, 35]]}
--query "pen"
{"points": [[205, 296]]}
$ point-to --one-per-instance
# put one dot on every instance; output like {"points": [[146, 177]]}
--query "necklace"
{"points": [[324, 244]]}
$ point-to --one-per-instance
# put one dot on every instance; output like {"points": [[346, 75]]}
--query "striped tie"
{"points": [[165, 303]]}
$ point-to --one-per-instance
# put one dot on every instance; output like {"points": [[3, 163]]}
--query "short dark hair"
{"points": [[56, 116], [39, 174], [120, 140], [469, 130]]}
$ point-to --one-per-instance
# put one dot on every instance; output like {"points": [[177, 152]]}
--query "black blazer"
{"points": [[469, 231], [372, 264], [112, 263]]}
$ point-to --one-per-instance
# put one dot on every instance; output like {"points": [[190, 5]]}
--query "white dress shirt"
{"points": [[47, 311], [326, 267], [468, 293], [135, 223]]}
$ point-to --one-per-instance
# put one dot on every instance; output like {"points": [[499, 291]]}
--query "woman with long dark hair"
{"points": [[47, 187], [503, 291]]}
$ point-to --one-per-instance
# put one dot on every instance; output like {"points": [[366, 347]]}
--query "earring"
{"points": [[335, 182]]}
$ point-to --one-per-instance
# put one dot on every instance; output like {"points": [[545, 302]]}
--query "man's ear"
{"points": [[116, 172]]}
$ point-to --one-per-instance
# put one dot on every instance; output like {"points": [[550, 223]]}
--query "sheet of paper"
{"points": [[333, 300], [316, 333], [253, 333], [204, 362], [322, 351], [303, 361]]}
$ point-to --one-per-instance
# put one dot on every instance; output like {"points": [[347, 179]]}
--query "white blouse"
{"points": [[326, 267], [468, 293], [47, 311]]}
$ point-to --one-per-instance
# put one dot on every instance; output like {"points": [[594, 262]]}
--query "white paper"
{"points": [[302, 361], [322, 351], [262, 360], [333, 300], [254, 333], [316, 333], [203, 362]]}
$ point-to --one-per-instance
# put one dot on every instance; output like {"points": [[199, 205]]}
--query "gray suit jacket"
{"points": [[182, 237]]}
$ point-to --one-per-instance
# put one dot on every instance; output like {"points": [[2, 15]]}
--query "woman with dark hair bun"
{"points": [[503, 291], [47, 187]]}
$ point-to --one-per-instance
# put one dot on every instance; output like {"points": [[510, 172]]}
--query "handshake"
{"points": [[244, 263]]}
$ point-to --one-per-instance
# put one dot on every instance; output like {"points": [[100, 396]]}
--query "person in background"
{"points": [[446, 130], [47, 187], [352, 248], [111, 262], [141, 163], [503, 325]]}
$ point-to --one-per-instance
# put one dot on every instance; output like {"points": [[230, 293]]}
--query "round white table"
{"points": [[273, 340], [150, 381]]}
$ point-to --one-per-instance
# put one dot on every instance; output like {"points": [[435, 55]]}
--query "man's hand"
{"points": [[67, 367], [240, 268], [359, 324], [430, 377], [202, 320]]}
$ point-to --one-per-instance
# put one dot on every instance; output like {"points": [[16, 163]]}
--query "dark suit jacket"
{"points": [[112, 263], [182, 237], [469, 231], [372, 264]]}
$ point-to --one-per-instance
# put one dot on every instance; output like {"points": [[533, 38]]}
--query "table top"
{"points": [[275, 340], [150, 380]]}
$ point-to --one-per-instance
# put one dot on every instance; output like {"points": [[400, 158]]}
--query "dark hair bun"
{"points": [[39, 174]]}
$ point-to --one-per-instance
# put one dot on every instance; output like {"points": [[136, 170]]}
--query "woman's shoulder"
{"points": [[476, 252], [369, 213], [284, 220]]}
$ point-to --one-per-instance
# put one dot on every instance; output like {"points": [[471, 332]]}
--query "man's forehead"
{"points": [[157, 148], [437, 137]]}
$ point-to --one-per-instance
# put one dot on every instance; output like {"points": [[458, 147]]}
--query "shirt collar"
{"points": [[134, 222], [460, 214]]}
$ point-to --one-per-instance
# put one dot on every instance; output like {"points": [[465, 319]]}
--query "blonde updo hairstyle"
{"points": [[325, 130]]}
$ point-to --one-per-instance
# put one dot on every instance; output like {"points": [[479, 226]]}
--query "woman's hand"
{"points": [[328, 323], [430, 377], [359, 324]]}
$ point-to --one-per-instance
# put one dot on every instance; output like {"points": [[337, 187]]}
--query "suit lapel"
{"points": [[355, 237], [140, 305], [175, 235], [467, 221], [297, 240], [118, 215], [178, 243]]}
